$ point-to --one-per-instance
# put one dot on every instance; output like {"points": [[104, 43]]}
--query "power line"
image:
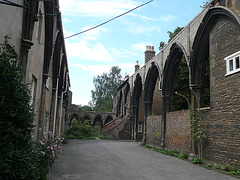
{"points": [[108, 20]]}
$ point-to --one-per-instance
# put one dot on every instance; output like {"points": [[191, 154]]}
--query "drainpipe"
{"points": [[55, 108], [62, 105]]}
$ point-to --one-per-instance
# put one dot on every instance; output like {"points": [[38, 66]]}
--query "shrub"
{"points": [[184, 156], [16, 157], [197, 161], [80, 130]]}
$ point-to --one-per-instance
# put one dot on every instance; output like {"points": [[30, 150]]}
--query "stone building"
{"points": [[210, 44], [35, 29]]}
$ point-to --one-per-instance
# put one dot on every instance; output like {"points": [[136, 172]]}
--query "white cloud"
{"points": [[168, 18], [141, 46], [96, 8], [99, 69]]}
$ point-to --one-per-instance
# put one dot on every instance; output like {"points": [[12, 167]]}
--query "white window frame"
{"points": [[140, 127], [234, 57]]}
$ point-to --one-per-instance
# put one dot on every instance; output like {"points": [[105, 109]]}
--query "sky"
{"points": [[120, 42]]}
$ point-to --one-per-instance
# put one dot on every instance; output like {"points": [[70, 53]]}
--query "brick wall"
{"points": [[223, 127], [177, 129], [157, 100], [154, 130]]}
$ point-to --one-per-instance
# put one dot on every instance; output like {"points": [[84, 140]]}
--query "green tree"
{"points": [[106, 89], [173, 34]]}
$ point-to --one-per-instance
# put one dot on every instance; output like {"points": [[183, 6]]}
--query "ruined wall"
{"points": [[223, 128]]}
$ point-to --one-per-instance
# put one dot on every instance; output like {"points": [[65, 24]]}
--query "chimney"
{"points": [[137, 66], [149, 53]]}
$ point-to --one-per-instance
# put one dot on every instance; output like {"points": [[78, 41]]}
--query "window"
{"points": [[140, 127], [233, 63]]}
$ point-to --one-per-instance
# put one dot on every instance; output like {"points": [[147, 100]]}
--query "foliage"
{"points": [[106, 89], [174, 33], [100, 136], [16, 118], [20, 158], [197, 161], [181, 85], [86, 108], [161, 45], [80, 130], [47, 151]]}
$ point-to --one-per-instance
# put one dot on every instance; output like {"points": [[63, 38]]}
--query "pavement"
{"points": [[124, 160]]}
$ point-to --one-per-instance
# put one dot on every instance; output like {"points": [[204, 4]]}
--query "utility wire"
{"points": [[12, 4], [108, 20]]}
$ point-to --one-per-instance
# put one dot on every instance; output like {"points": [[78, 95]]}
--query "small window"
{"points": [[237, 62], [233, 63], [140, 127]]}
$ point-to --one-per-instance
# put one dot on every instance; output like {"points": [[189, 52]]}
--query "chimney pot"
{"points": [[149, 53]]}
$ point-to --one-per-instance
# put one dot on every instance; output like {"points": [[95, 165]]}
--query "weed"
{"points": [[184, 156], [217, 167], [197, 161], [227, 168]]}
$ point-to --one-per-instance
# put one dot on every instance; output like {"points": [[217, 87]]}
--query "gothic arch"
{"points": [[108, 119], [150, 85], [169, 73], [126, 98], [200, 48]]}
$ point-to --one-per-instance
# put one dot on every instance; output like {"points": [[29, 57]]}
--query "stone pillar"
{"points": [[166, 109], [25, 47]]}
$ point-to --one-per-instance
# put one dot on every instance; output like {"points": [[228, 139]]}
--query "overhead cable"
{"points": [[108, 20]]}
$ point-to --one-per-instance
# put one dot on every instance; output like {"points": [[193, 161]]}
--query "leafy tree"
{"points": [[173, 34], [161, 45], [181, 85], [106, 89]]}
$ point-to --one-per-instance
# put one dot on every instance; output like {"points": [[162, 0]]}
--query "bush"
{"points": [[16, 157], [80, 131]]}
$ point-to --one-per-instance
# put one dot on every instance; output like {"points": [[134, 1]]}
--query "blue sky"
{"points": [[121, 42]]}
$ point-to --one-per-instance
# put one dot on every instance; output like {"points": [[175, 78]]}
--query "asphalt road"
{"points": [[120, 160]]}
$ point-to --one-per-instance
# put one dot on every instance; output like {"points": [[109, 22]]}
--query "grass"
{"points": [[225, 170]]}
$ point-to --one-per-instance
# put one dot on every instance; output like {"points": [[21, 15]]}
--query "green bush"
{"points": [[80, 131], [197, 161], [16, 157], [184, 156]]}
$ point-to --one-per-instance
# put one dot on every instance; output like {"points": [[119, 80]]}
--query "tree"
{"points": [[106, 89], [173, 34]]}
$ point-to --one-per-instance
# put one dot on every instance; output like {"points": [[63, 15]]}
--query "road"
{"points": [[123, 160]]}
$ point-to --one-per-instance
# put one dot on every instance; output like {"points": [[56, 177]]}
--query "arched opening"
{"points": [[108, 119], [217, 38], [119, 106], [138, 110], [127, 99], [97, 123], [86, 119], [152, 97], [73, 119]]}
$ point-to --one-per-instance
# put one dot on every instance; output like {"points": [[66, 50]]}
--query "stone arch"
{"points": [[169, 74], [126, 98], [119, 105], [108, 119], [87, 119], [200, 48], [98, 123], [150, 84], [73, 118], [137, 93]]}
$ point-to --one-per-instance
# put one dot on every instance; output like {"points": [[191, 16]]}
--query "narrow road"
{"points": [[122, 160]]}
